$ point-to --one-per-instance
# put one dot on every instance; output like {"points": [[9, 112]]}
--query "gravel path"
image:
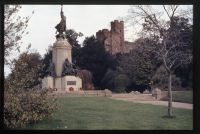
{"points": [[162, 103]]}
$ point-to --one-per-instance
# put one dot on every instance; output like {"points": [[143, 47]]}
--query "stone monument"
{"points": [[63, 74]]}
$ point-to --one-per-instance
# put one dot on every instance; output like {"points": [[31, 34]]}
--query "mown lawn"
{"points": [[97, 113], [183, 96]]}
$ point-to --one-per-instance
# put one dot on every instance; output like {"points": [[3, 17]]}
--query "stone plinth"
{"points": [[47, 82], [58, 83], [71, 83], [61, 51]]}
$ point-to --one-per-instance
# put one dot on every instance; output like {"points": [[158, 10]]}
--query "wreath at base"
{"points": [[71, 89]]}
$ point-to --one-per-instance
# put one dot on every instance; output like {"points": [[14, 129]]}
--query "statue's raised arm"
{"points": [[61, 27]]}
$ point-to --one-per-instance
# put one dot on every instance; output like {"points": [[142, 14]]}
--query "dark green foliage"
{"points": [[72, 37], [160, 79], [183, 29], [184, 72], [108, 79], [134, 70], [139, 66], [46, 63], [121, 82], [94, 58], [115, 80]]}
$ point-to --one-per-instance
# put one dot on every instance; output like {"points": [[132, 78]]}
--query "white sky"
{"points": [[87, 19]]}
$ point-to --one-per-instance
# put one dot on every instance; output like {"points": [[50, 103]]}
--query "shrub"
{"points": [[160, 79], [108, 79], [26, 106], [121, 82]]}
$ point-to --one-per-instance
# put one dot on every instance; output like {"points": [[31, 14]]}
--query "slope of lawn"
{"points": [[97, 113], [183, 96]]}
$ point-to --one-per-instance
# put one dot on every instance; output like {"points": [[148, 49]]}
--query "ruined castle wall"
{"points": [[113, 40], [107, 44], [129, 46], [117, 32], [116, 43]]}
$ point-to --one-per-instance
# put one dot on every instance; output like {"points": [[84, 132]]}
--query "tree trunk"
{"points": [[169, 96]]}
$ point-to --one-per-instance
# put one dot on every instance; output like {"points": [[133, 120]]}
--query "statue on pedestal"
{"points": [[61, 27]]}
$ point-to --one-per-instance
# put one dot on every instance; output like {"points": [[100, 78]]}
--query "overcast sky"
{"points": [[87, 19]]}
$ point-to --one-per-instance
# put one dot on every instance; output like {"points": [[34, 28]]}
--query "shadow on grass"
{"points": [[47, 124], [168, 117]]}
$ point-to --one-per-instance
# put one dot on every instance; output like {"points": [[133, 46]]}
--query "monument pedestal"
{"points": [[71, 83], [61, 52], [47, 82], [58, 83]]}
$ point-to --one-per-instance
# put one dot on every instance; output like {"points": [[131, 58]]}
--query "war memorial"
{"points": [[63, 74]]}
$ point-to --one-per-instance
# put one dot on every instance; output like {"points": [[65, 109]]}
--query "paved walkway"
{"points": [[162, 103]]}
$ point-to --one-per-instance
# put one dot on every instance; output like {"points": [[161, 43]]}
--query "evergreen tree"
{"points": [[94, 58]]}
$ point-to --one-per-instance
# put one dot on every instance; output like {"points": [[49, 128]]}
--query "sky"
{"points": [[87, 19]]}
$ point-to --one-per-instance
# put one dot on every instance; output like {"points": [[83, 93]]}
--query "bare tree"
{"points": [[14, 29], [170, 47]]}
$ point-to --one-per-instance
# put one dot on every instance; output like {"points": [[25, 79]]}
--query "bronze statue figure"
{"points": [[51, 70], [61, 27], [68, 68]]}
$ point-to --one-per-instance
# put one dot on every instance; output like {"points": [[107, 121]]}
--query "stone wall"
{"points": [[113, 40]]}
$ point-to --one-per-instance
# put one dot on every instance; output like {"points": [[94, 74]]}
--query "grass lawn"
{"points": [[97, 113], [183, 96]]}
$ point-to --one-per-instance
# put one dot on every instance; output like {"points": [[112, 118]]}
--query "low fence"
{"points": [[100, 93], [158, 95]]}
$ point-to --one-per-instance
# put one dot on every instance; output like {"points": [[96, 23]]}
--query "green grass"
{"points": [[99, 113], [183, 96]]}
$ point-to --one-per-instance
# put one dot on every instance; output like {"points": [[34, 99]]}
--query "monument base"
{"points": [[58, 83], [67, 83], [71, 83], [47, 82]]}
